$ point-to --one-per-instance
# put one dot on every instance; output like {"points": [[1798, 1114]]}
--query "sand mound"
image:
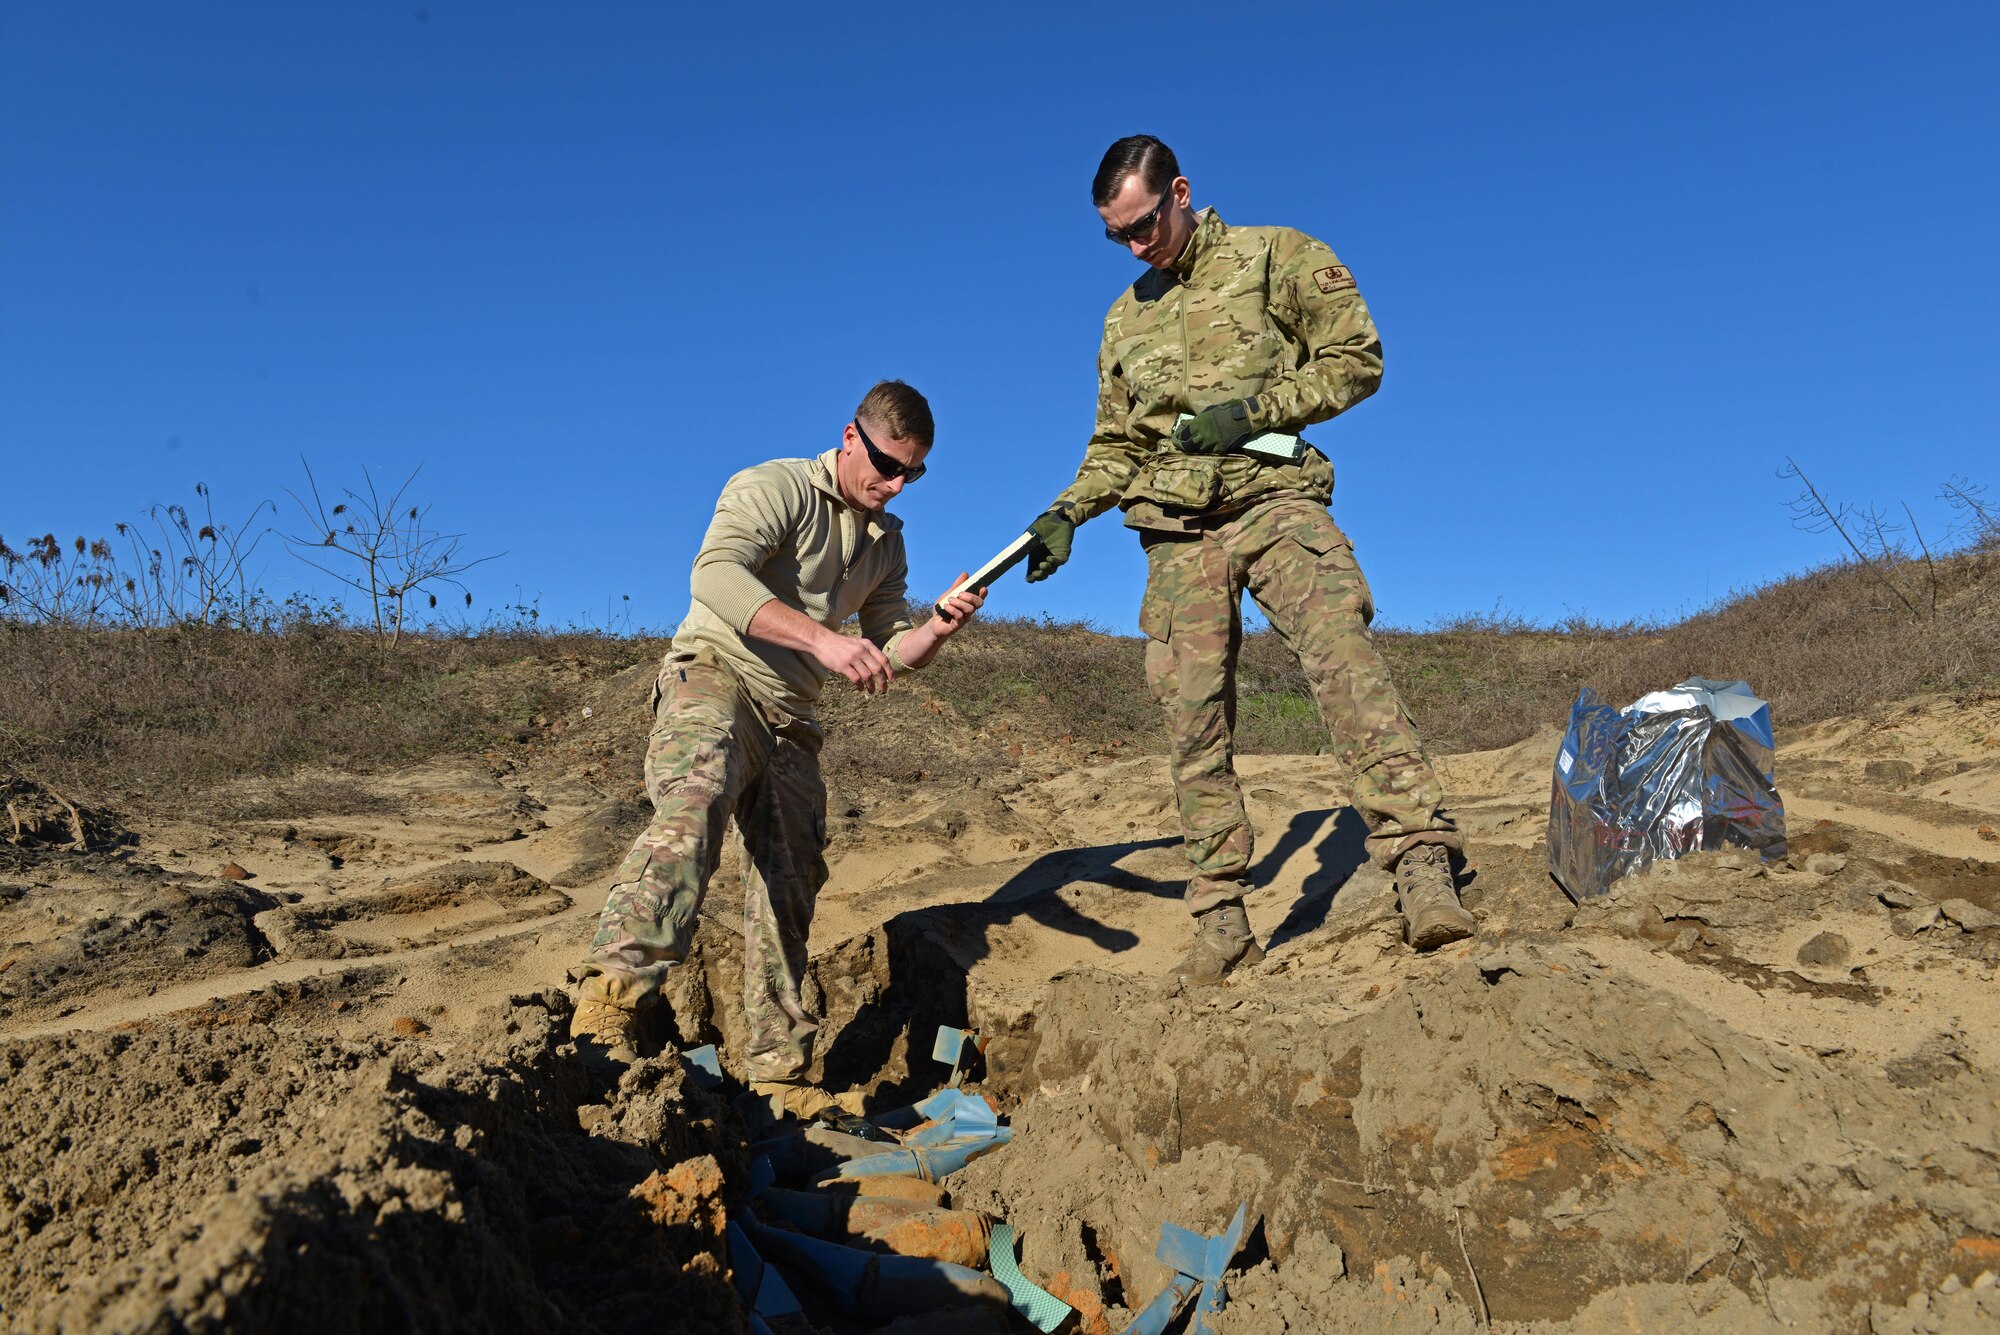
{"points": [[306, 1093], [232, 1177]]}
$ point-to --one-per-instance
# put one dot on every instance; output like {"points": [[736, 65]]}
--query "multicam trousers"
{"points": [[1291, 557], [715, 753]]}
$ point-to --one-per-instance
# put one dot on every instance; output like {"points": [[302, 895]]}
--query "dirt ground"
{"points": [[306, 1065]]}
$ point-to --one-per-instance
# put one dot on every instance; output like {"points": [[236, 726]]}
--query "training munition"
{"points": [[1206, 1259], [889, 1186], [948, 1104], [877, 1287], [841, 1144], [760, 1287], [799, 1155], [904, 1227], [1153, 1319]]}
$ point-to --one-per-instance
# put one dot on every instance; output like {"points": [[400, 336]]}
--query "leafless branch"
{"points": [[1812, 512], [1930, 565], [386, 547]]}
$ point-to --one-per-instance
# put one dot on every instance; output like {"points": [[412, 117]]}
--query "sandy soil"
{"points": [[305, 1063]]}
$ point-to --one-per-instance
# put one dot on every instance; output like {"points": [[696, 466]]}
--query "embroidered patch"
{"points": [[1333, 278]]}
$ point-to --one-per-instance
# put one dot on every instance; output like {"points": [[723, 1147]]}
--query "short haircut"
{"points": [[901, 412], [1138, 155]]}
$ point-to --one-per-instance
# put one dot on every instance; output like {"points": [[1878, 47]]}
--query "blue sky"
{"points": [[582, 262]]}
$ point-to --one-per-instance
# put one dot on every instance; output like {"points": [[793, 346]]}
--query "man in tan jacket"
{"points": [[797, 546]]}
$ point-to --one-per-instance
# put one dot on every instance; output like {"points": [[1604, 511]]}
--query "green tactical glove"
{"points": [[1219, 428], [1053, 530]]}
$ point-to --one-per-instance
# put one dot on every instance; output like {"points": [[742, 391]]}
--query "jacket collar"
{"points": [[820, 472], [1208, 232]]}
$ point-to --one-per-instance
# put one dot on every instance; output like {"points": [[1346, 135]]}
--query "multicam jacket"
{"points": [[1262, 311]]}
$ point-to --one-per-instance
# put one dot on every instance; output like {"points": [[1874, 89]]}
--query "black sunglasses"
{"points": [[1140, 230], [889, 468]]}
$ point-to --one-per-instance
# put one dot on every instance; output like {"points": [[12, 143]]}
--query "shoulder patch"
{"points": [[1333, 278]]}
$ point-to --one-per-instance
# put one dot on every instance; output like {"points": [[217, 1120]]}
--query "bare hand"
{"points": [[856, 659], [956, 607]]}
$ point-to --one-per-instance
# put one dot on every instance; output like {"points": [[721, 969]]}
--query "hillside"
{"points": [[283, 925]]}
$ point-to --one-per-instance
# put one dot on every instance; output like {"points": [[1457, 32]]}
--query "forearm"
{"points": [[785, 626], [1109, 465], [1112, 459], [916, 648], [909, 648]]}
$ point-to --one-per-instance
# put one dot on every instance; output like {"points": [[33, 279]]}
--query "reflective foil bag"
{"points": [[1678, 770]]}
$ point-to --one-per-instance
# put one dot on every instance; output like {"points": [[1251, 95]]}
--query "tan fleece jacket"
{"points": [[781, 530]]}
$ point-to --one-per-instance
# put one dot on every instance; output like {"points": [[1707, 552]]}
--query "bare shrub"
{"points": [[392, 554], [70, 586], [1868, 533], [1978, 521], [177, 570]]}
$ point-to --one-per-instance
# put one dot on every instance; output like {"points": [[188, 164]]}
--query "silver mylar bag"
{"points": [[1678, 770]]}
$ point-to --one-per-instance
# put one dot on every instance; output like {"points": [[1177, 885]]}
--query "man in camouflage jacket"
{"points": [[1232, 332]]}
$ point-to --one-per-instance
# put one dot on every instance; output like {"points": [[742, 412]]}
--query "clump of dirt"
{"points": [[79, 925], [40, 817], [454, 899], [1540, 1120], [204, 1177]]}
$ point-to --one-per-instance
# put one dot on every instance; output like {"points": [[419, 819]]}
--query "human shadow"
{"points": [[932, 950], [1031, 892], [1341, 853]]}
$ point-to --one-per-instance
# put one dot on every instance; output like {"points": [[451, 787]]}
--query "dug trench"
{"points": [[1753, 1097]]}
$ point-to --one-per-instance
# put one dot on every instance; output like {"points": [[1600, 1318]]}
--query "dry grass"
{"points": [[1827, 642], [1830, 641], [139, 718], [1061, 677]]}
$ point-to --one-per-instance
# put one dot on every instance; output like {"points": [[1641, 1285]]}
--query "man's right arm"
{"points": [[1110, 462], [751, 520], [1112, 459], [852, 656]]}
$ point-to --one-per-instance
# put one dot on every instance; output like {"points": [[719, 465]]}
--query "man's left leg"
{"points": [[781, 841], [1306, 579]]}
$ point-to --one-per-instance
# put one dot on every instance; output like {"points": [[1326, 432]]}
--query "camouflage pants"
{"points": [[1291, 557], [713, 754]]}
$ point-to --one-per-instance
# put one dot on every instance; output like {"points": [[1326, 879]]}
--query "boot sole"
{"points": [[1437, 934], [1252, 954]]}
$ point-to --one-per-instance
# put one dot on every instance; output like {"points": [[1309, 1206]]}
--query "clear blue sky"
{"points": [[584, 261]]}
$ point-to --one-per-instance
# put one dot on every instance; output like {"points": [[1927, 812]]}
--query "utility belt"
{"points": [[1195, 481]]}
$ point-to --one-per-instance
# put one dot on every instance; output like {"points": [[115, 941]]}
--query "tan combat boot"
{"points": [[1432, 915], [1222, 941], [603, 1027], [809, 1103]]}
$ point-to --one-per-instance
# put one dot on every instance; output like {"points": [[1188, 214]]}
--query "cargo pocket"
{"points": [[1156, 615], [1156, 619], [1181, 481], [1336, 575]]}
